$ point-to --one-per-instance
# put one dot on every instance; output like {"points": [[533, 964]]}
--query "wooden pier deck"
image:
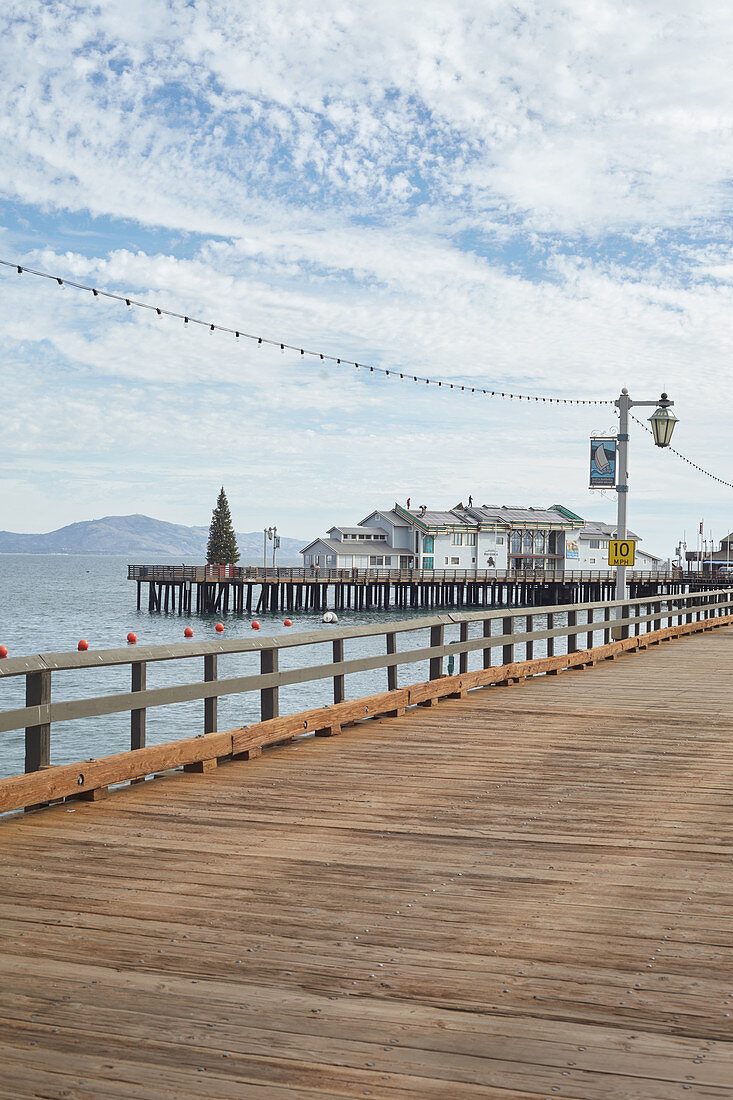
{"points": [[524, 893]]}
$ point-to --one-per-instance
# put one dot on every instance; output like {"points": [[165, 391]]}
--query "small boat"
{"points": [[601, 459]]}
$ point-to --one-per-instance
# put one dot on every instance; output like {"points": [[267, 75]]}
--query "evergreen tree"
{"points": [[222, 546]]}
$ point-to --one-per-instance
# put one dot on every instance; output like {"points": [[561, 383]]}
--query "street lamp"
{"points": [[662, 422], [271, 534]]}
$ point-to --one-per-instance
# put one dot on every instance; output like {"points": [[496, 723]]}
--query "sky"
{"points": [[528, 196]]}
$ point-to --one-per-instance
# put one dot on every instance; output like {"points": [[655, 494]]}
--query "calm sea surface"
{"points": [[49, 602]]}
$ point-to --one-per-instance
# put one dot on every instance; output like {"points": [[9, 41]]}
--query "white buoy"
{"points": [[330, 617]]}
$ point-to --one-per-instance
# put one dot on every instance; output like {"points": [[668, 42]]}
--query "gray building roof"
{"points": [[514, 516], [330, 544], [594, 529], [389, 514], [442, 519], [370, 547], [347, 530]]}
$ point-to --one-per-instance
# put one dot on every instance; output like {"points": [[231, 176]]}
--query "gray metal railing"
{"points": [[180, 574], [583, 621]]}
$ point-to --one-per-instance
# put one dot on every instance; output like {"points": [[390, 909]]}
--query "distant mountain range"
{"points": [[142, 538]]}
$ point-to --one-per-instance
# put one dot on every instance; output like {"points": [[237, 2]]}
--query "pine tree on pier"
{"points": [[222, 545]]}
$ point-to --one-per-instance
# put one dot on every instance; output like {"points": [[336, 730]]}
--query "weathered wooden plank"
{"points": [[520, 894], [68, 779]]}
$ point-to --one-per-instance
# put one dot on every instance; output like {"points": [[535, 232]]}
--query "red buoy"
{"points": [[188, 632], [3, 651], [132, 638], [255, 624], [287, 622], [83, 644], [219, 628]]}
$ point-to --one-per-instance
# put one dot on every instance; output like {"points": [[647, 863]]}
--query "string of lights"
{"points": [[700, 470], [406, 376]]}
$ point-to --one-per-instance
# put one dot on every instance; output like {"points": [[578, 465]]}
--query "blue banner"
{"points": [[602, 463]]}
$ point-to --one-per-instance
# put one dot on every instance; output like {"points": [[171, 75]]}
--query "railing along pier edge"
{"points": [[625, 627]]}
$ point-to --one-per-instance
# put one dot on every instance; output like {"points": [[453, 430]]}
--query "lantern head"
{"points": [[663, 421]]}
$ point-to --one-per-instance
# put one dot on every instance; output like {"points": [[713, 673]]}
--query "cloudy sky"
{"points": [[531, 196]]}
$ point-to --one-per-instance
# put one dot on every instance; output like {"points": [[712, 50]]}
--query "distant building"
{"points": [[470, 538], [712, 560]]}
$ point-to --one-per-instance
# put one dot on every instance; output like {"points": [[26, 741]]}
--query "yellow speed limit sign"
{"points": [[621, 552]]}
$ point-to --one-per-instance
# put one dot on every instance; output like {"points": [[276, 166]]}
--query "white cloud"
{"points": [[532, 197]]}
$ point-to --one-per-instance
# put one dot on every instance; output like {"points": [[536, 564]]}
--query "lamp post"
{"points": [[270, 533], [662, 421]]}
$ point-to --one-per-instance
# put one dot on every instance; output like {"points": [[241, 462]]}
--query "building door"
{"points": [[427, 563]]}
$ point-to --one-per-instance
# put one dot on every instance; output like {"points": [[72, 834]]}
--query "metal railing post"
{"points": [[487, 649], [391, 669], [463, 656], [210, 707], [137, 717], [37, 738], [269, 697], [436, 663], [572, 636], [508, 651], [338, 681]]}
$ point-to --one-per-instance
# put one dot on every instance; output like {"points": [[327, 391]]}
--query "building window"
{"points": [[455, 561], [428, 544], [473, 561], [375, 560], [594, 544], [527, 542], [387, 561], [499, 540], [471, 538], [456, 538], [539, 542], [516, 542], [592, 561], [446, 561]]}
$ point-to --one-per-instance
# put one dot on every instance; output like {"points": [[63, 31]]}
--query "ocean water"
{"points": [[49, 602]]}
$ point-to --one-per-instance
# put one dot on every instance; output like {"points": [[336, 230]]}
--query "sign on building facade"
{"points": [[602, 462]]}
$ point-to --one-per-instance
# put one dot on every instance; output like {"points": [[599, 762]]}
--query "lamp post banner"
{"points": [[602, 463]]}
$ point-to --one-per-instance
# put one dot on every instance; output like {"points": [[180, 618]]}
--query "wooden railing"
{"points": [[177, 574], [622, 626]]}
